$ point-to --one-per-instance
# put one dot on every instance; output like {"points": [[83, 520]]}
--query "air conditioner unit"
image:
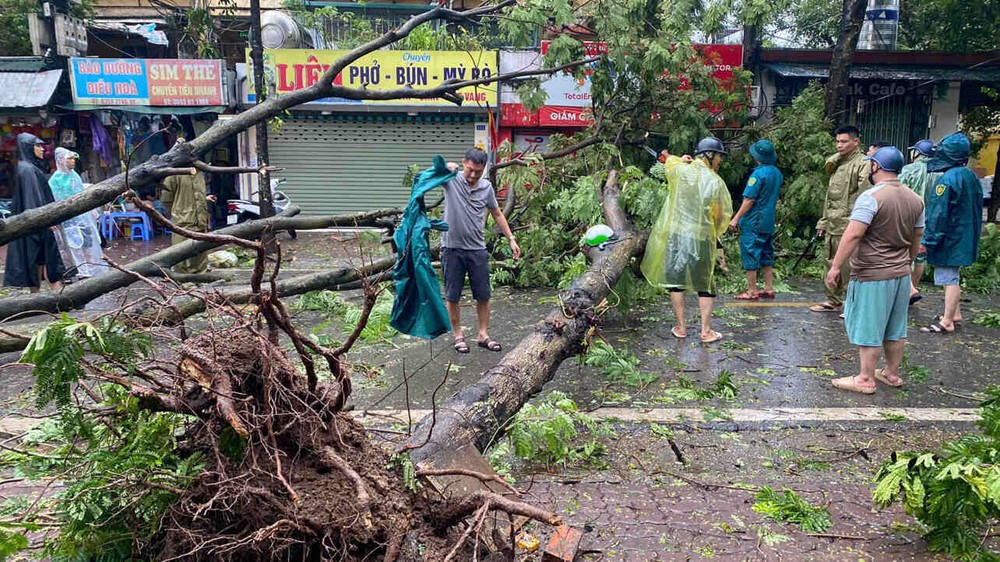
{"points": [[755, 101]]}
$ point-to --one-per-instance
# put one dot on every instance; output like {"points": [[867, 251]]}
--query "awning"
{"points": [[24, 90], [147, 109], [888, 72]]}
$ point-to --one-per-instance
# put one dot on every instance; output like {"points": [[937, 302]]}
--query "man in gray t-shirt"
{"points": [[463, 247]]}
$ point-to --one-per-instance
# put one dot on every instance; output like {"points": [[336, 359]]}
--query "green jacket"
{"points": [[184, 198], [418, 309], [848, 179], [917, 178]]}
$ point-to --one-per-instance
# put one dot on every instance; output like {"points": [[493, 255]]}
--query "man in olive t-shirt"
{"points": [[883, 236]]}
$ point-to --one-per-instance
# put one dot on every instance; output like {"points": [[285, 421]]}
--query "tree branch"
{"points": [[233, 169], [551, 155], [449, 86], [83, 292]]}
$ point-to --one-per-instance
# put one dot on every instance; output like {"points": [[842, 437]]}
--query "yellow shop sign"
{"points": [[288, 70]]}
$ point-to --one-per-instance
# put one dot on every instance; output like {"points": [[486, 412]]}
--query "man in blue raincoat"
{"points": [[954, 224], [418, 309], [755, 221]]}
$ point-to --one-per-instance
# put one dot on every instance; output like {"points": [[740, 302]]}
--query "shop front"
{"points": [[27, 87], [127, 110], [341, 155]]}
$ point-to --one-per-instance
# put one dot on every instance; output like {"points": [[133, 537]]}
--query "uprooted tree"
{"points": [[216, 445]]}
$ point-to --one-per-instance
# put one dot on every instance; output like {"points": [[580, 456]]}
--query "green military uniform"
{"points": [[848, 179], [184, 198]]}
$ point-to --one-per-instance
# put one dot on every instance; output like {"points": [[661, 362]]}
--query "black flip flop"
{"points": [[935, 328], [490, 344], [916, 298]]}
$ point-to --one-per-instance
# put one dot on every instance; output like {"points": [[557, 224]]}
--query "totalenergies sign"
{"points": [[288, 70]]}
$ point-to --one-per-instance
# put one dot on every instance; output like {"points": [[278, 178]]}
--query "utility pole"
{"points": [[260, 89]]}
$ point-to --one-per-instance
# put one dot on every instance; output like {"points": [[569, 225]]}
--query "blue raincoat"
{"points": [[954, 206], [418, 309]]}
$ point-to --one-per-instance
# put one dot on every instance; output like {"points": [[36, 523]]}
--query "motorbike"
{"points": [[242, 210]]}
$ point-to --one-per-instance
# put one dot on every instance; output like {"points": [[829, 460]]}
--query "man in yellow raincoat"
{"points": [[681, 251], [187, 201]]}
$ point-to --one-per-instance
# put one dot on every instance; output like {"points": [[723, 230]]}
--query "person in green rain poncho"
{"points": [[681, 251], [916, 177]]}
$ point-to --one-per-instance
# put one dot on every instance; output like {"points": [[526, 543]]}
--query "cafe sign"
{"points": [[147, 82], [288, 70]]}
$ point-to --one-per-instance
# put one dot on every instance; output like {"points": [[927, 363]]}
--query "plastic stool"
{"points": [[108, 227], [139, 231]]}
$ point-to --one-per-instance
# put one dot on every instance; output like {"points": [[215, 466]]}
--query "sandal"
{"points": [[490, 344], [713, 337], [882, 378], [914, 299], [956, 323], [747, 296], [825, 307], [767, 294], [936, 328], [676, 331], [461, 346], [851, 384]]}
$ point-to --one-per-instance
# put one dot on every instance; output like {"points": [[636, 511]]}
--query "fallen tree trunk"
{"points": [[78, 294], [479, 412], [339, 279]]}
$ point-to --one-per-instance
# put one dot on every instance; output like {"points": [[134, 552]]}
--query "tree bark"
{"points": [[991, 212], [478, 413], [751, 48], [78, 294], [835, 105]]}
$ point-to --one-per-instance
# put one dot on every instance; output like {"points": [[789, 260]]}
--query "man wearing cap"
{"points": [[915, 176], [848, 178], [681, 251], [881, 239], [755, 221], [954, 224]]}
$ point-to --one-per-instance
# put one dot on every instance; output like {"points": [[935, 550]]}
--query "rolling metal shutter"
{"points": [[347, 163]]}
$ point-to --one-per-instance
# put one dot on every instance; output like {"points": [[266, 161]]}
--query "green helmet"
{"points": [[598, 234]]}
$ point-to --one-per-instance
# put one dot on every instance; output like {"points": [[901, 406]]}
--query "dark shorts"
{"points": [[456, 264], [702, 294], [756, 250]]}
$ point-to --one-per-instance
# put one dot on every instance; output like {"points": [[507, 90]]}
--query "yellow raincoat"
{"points": [[681, 249], [184, 198]]}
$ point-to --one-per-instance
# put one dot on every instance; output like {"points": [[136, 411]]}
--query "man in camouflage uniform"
{"points": [[848, 178]]}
